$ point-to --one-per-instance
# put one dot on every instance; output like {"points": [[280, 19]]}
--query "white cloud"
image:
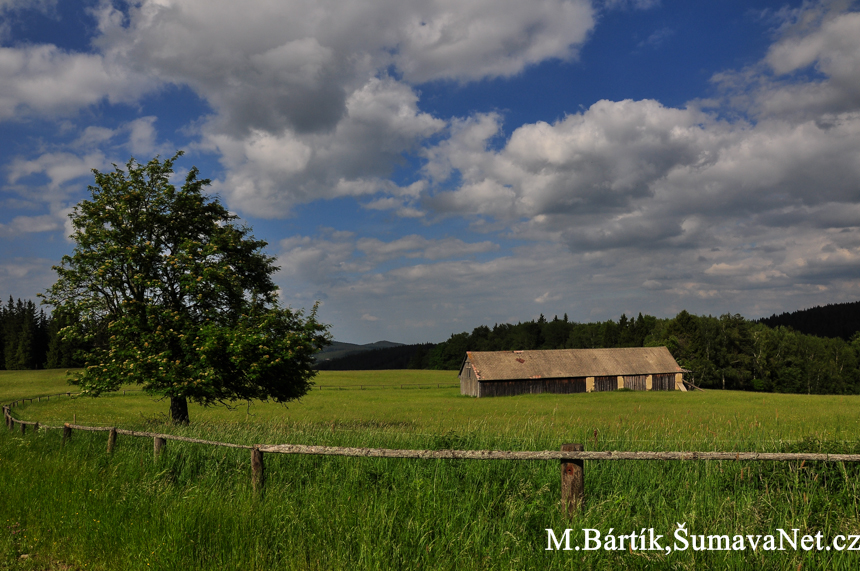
{"points": [[23, 277], [213, 43], [471, 40], [817, 39], [59, 168], [657, 38], [598, 161], [31, 224], [303, 106], [40, 5], [338, 256], [414, 246], [44, 79], [142, 137], [269, 173]]}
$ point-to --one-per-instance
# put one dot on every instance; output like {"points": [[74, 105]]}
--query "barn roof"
{"points": [[564, 363]]}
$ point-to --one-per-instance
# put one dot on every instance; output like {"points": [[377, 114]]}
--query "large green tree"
{"points": [[165, 290]]}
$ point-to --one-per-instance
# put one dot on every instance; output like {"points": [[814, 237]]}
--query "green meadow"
{"points": [[73, 506]]}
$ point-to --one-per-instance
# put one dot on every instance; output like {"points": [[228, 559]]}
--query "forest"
{"points": [[29, 340], [726, 352], [831, 320]]}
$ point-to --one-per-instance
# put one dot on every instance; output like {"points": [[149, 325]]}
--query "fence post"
{"points": [[36, 427], [67, 433], [258, 474], [572, 480], [111, 440], [23, 429], [158, 444]]}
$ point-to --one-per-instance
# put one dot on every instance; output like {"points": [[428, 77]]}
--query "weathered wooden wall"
{"points": [[605, 383], [531, 386], [468, 381], [664, 382]]}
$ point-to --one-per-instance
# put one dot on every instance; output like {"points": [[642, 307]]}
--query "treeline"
{"points": [[400, 357], [727, 352], [543, 334], [832, 320], [29, 339]]}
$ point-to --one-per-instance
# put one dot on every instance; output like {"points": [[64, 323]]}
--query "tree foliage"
{"points": [[168, 292]]}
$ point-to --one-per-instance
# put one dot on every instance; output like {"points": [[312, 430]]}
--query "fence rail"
{"points": [[571, 456]]}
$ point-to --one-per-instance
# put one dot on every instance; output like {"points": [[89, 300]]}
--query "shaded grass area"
{"points": [[194, 508], [27, 384]]}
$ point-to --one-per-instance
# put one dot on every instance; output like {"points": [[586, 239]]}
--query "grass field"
{"points": [[194, 507]]}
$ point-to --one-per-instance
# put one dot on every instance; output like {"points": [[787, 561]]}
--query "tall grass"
{"points": [[194, 507]]}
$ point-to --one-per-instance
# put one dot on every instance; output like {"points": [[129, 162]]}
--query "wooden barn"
{"points": [[502, 373]]}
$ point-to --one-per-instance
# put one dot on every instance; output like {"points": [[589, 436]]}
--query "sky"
{"points": [[422, 167]]}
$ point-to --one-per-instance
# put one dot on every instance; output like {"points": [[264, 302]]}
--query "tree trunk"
{"points": [[179, 410]]}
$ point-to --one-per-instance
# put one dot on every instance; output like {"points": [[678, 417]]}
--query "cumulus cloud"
{"points": [[337, 256], [304, 107], [813, 69], [415, 246], [598, 161], [322, 46], [637, 174], [269, 173], [30, 224], [59, 168], [303, 104], [45, 79]]}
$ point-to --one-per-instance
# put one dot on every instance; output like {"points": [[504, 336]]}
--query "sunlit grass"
{"points": [[711, 420]]}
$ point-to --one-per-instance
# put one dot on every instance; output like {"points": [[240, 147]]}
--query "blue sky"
{"points": [[422, 167]]}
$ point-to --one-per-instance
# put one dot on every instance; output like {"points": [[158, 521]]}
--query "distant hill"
{"points": [[339, 349], [832, 320], [396, 357]]}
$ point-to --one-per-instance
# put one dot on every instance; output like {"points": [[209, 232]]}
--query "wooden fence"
{"points": [[571, 456]]}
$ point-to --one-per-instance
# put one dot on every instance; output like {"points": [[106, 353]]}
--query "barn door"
{"points": [[605, 383], [636, 382], [664, 382]]}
